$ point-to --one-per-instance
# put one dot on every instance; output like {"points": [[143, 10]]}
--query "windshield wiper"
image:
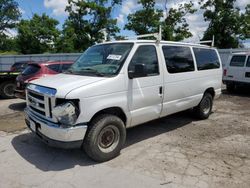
{"points": [[69, 71], [91, 71]]}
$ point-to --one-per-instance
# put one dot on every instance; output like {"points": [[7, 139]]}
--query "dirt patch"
{"points": [[12, 122]]}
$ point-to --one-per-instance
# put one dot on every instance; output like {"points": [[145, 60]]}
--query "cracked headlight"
{"points": [[66, 113]]}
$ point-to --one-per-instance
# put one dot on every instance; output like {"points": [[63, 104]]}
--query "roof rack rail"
{"points": [[208, 41], [158, 35]]}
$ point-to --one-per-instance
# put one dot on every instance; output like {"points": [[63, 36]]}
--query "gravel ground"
{"points": [[176, 151]]}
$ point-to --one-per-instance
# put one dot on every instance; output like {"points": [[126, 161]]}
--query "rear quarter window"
{"points": [[238, 61], [206, 59], [31, 69]]}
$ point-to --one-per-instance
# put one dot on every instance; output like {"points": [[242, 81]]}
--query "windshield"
{"points": [[101, 60]]}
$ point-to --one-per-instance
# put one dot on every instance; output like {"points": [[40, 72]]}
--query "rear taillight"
{"points": [[225, 72]]}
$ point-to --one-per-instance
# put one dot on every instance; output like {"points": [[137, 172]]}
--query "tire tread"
{"points": [[91, 135]]}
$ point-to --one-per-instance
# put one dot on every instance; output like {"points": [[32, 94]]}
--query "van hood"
{"points": [[65, 83]]}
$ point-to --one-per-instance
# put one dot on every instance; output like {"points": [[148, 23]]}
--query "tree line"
{"points": [[86, 20]]}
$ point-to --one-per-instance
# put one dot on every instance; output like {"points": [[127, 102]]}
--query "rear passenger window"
{"points": [[146, 55], [178, 59], [54, 67], [206, 59], [238, 61], [248, 62]]}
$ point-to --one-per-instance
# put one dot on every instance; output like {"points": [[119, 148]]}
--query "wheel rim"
{"points": [[9, 90], [206, 105], [108, 138]]}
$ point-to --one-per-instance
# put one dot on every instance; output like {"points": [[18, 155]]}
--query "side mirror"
{"points": [[139, 71]]}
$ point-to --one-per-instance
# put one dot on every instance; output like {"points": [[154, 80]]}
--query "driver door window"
{"points": [[146, 55]]}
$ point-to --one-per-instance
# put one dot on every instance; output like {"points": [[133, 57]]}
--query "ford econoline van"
{"points": [[237, 72], [116, 85]]}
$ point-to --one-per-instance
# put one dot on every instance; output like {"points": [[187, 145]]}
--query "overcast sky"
{"points": [[56, 9]]}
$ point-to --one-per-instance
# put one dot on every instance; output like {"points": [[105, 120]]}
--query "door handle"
{"points": [[160, 90]]}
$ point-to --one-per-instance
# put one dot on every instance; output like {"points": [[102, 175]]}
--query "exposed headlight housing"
{"points": [[66, 113]]}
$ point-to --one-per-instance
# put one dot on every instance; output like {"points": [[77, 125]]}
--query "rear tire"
{"points": [[7, 89], [105, 138], [203, 110]]}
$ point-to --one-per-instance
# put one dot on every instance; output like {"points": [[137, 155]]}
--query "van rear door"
{"points": [[247, 71], [235, 71]]}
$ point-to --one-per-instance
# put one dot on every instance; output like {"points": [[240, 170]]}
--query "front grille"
{"points": [[40, 97], [41, 104], [38, 111]]}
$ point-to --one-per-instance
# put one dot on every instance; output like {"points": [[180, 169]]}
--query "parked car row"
{"points": [[36, 70], [8, 79], [13, 82]]}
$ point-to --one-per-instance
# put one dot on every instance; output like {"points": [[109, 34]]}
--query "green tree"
{"points": [[148, 20], [175, 26], [246, 19], [37, 35], [226, 23], [9, 14], [7, 44], [86, 20], [66, 40]]}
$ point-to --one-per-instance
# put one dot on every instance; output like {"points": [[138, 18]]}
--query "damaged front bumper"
{"points": [[53, 134]]}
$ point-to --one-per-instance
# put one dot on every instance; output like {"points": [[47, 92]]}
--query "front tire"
{"points": [[105, 138], [203, 110]]}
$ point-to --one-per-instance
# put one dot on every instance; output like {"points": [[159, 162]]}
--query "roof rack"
{"points": [[158, 35], [208, 41]]}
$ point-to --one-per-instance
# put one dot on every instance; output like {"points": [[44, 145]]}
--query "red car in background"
{"points": [[36, 70]]}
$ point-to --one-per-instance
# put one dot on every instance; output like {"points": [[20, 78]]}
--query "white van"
{"points": [[117, 85], [237, 72]]}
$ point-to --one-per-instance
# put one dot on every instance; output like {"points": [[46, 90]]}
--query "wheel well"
{"points": [[210, 91], [117, 111]]}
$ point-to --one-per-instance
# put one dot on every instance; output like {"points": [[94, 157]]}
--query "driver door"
{"points": [[145, 93]]}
